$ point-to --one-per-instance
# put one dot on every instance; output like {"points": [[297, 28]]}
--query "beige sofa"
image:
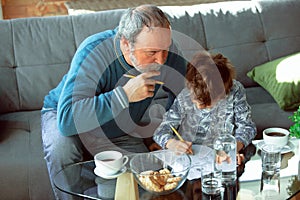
{"points": [[36, 53]]}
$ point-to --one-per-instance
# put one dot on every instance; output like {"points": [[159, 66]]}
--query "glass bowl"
{"points": [[160, 172]]}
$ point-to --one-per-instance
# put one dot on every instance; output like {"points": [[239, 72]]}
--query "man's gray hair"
{"points": [[134, 19]]}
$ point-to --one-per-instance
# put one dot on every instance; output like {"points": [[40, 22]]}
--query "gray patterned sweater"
{"points": [[201, 126]]}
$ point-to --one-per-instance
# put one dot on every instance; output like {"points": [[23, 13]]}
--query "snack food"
{"points": [[159, 181]]}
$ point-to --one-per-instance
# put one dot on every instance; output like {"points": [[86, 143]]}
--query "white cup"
{"points": [[110, 162], [277, 136]]}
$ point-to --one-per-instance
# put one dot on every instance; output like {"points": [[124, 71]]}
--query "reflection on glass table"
{"points": [[253, 178], [80, 180]]}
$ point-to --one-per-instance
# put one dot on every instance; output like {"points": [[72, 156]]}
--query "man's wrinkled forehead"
{"points": [[154, 38]]}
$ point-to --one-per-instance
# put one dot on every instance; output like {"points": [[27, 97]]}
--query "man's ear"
{"points": [[124, 44]]}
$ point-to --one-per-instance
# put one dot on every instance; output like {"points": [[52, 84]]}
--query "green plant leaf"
{"points": [[295, 128]]}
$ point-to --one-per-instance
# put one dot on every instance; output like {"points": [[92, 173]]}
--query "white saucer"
{"points": [[287, 148], [105, 176]]}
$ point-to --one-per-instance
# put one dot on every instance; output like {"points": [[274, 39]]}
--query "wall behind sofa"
{"points": [[39, 8], [32, 8]]}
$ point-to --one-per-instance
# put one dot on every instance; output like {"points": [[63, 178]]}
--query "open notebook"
{"points": [[203, 157]]}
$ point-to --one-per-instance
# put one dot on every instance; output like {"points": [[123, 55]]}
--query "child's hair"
{"points": [[209, 77]]}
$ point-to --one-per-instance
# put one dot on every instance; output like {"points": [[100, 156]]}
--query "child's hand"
{"points": [[154, 147], [179, 146], [240, 158], [222, 156]]}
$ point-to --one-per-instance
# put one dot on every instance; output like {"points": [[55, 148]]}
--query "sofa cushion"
{"points": [[281, 79], [22, 157], [266, 115]]}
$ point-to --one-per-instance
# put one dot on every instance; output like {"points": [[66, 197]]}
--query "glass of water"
{"points": [[270, 178], [271, 158], [211, 184]]}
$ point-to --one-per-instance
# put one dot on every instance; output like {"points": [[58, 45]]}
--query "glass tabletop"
{"points": [[80, 180]]}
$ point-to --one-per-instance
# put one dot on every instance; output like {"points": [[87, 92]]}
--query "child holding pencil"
{"points": [[212, 102]]}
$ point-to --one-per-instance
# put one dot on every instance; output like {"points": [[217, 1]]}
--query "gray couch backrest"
{"points": [[36, 52]]}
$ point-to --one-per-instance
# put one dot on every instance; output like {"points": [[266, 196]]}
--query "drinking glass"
{"points": [[225, 149], [270, 178], [211, 184], [271, 158]]}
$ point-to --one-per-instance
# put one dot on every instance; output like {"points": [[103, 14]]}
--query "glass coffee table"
{"points": [[79, 179]]}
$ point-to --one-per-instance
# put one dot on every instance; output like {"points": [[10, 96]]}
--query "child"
{"points": [[212, 102]]}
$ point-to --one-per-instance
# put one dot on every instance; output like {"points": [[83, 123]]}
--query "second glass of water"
{"points": [[211, 183]]}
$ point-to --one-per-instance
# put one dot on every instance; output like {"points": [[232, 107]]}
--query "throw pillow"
{"points": [[281, 78]]}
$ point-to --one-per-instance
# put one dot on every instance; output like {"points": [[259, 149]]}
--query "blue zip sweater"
{"points": [[90, 95]]}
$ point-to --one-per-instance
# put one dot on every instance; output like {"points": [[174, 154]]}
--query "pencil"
{"points": [[131, 76], [176, 132], [180, 138]]}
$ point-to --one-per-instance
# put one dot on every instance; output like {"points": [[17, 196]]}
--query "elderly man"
{"points": [[114, 75]]}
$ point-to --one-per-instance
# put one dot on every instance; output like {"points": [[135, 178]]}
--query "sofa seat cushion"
{"points": [[264, 108], [21, 157], [281, 78], [265, 115]]}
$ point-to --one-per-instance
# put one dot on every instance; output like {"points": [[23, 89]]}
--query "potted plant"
{"points": [[295, 131], [295, 128]]}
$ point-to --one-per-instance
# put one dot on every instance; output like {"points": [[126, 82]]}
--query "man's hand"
{"points": [[179, 146], [141, 87]]}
